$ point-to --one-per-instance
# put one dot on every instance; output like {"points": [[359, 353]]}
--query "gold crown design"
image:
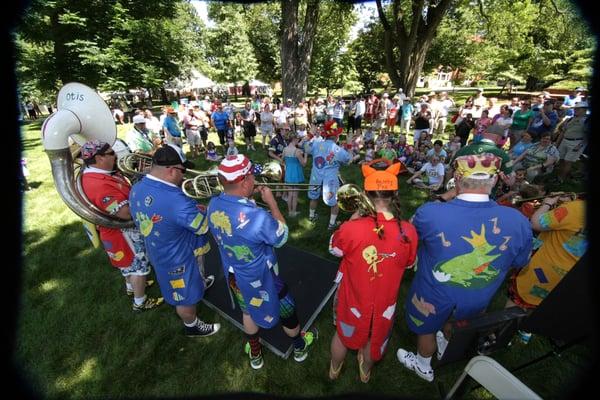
{"points": [[478, 166], [477, 240]]}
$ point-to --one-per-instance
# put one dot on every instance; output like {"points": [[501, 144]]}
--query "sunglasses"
{"points": [[183, 170]]}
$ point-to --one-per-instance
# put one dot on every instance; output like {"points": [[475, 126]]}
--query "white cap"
{"points": [[139, 119]]}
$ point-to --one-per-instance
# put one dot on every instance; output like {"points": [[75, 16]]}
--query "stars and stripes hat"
{"points": [[235, 168], [93, 147]]}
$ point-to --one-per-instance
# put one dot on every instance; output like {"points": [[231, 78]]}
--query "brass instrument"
{"points": [[563, 197], [206, 183], [351, 198], [134, 164]]}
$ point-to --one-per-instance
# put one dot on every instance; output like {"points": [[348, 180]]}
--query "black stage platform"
{"points": [[310, 280]]}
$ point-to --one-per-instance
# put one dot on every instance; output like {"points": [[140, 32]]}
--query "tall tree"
{"points": [[408, 36], [263, 22], [296, 46], [230, 53]]}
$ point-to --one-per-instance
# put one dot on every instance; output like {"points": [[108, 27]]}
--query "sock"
{"points": [[139, 300], [424, 362], [299, 343], [193, 324], [332, 219], [311, 212], [255, 345], [128, 285]]}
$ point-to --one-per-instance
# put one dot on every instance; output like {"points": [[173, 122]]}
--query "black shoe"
{"points": [[202, 329]]}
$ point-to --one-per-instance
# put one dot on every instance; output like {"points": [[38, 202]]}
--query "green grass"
{"points": [[77, 336]]}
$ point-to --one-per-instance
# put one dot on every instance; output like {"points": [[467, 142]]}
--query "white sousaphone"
{"points": [[82, 115]]}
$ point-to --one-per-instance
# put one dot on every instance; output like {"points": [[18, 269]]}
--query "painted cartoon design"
{"points": [[424, 307], [371, 256], [577, 244], [242, 253], [146, 224], [243, 220], [221, 221], [472, 270]]}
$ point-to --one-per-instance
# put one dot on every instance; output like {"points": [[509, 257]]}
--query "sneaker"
{"points": [[333, 226], [442, 343], [208, 281], [148, 304], [256, 362], [202, 329], [313, 219], [149, 282], [409, 360], [300, 355]]}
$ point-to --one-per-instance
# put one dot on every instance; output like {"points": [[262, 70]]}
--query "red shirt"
{"points": [[372, 270], [109, 193]]}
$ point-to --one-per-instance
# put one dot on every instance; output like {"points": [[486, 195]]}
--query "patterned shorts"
{"points": [[286, 302], [513, 294], [140, 265]]}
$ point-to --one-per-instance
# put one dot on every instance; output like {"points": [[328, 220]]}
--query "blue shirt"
{"points": [[246, 235], [171, 125], [520, 148], [174, 228], [220, 119], [466, 250]]}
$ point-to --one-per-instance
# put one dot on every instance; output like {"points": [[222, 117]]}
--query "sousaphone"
{"points": [[81, 115]]}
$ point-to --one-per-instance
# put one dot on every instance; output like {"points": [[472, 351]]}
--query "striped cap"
{"points": [[234, 168]]}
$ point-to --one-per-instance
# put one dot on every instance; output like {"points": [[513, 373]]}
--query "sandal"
{"points": [[334, 373], [364, 377]]}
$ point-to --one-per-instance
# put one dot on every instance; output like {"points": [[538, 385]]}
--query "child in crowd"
{"points": [[354, 147], [211, 152], [388, 152], [369, 151], [482, 123], [419, 158], [381, 140], [430, 176], [509, 192], [238, 124], [453, 146], [369, 136], [231, 149], [404, 150], [294, 160]]}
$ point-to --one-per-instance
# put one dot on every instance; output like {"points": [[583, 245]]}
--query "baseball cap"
{"points": [[381, 179], [139, 119], [171, 155], [93, 147], [235, 168]]}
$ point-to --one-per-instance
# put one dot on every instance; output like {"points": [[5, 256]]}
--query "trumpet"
{"points": [[351, 198]]}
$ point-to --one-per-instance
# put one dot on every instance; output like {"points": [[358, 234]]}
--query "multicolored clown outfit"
{"points": [[462, 265], [247, 235], [174, 228], [562, 243], [109, 192], [374, 258], [327, 158]]}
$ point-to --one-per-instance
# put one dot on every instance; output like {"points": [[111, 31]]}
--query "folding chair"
{"points": [[495, 378]]}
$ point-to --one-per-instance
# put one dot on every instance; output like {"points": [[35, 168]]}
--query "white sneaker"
{"points": [[409, 360], [442, 344]]}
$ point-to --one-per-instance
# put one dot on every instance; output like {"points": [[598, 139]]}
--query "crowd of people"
{"points": [[468, 240]]}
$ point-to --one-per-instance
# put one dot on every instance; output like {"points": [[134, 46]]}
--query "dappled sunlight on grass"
{"points": [[85, 372], [50, 286]]}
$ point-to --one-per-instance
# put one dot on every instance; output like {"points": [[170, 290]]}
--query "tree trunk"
{"points": [[296, 47], [405, 50], [163, 95]]}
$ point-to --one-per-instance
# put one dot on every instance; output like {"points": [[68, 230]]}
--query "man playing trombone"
{"points": [[246, 235]]}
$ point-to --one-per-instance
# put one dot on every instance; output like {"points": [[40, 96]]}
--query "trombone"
{"points": [[206, 183]]}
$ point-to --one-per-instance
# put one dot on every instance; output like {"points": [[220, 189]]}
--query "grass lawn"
{"points": [[78, 337]]}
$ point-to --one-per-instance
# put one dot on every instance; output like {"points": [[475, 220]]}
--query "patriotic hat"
{"points": [[331, 129], [234, 168], [477, 166], [93, 147], [381, 179]]}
